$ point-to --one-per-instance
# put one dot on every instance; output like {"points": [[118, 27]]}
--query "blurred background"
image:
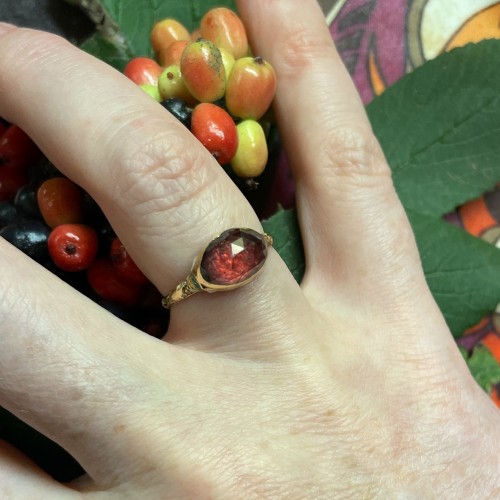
{"points": [[58, 16]]}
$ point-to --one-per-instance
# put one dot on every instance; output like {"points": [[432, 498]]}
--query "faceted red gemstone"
{"points": [[233, 257]]}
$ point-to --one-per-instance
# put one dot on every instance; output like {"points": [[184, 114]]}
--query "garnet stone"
{"points": [[233, 257]]}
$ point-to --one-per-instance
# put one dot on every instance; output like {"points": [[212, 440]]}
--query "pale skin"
{"points": [[349, 386]]}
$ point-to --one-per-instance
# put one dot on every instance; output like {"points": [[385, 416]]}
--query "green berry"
{"points": [[172, 85], [151, 90], [251, 156]]}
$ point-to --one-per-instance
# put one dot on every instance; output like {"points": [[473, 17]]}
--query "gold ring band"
{"points": [[231, 260]]}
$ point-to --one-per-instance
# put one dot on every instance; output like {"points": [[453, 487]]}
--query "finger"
{"points": [[73, 371], [354, 228], [164, 194], [138, 162], [21, 478], [91, 383]]}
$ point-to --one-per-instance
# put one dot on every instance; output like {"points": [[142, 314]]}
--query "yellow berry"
{"points": [[251, 156]]}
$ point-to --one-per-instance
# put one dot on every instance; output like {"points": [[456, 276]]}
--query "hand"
{"points": [[347, 386]]}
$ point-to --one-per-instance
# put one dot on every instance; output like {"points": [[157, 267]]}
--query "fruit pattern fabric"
{"points": [[380, 41]]}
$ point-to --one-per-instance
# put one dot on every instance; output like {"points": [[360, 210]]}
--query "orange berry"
{"points": [[60, 201], [223, 27], [250, 88], [203, 71], [172, 54], [167, 31]]}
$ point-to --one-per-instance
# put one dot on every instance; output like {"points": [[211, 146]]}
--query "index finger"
{"points": [[163, 192]]}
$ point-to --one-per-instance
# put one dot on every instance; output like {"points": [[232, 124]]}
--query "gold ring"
{"points": [[231, 260]]}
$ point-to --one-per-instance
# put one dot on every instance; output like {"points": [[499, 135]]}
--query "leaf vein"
{"points": [[445, 134]]}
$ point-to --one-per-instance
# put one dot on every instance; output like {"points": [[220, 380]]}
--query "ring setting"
{"points": [[231, 260]]}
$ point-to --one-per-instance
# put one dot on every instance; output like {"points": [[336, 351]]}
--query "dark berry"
{"points": [[151, 320], [11, 179], [17, 150], [26, 202], [179, 109], [106, 236], [221, 103], [110, 286], [124, 264], [8, 213], [30, 237]]}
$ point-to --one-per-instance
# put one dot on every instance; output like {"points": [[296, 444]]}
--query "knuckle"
{"points": [[161, 175], [353, 153], [301, 48]]}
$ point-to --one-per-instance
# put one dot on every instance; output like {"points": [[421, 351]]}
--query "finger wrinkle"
{"points": [[351, 152], [295, 46], [161, 173], [298, 49]]}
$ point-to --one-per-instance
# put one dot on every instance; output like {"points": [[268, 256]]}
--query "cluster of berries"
{"points": [[211, 83], [56, 223]]}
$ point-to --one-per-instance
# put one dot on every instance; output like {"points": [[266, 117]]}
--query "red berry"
{"points": [[73, 247], [124, 264], [109, 285], [60, 201], [11, 180], [216, 130], [17, 150], [143, 70]]}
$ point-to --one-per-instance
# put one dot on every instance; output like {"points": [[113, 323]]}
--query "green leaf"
{"points": [[114, 55], [484, 368], [440, 126], [284, 228], [462, 271]]}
